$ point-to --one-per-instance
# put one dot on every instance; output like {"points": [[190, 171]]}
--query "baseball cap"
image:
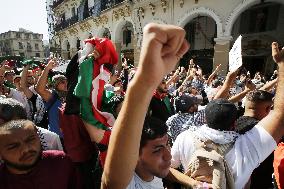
{"points": [[9, 72], [220, 114], [184, 102], [57, 79]]}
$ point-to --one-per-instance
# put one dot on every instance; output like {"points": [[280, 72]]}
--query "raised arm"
{"points": [[225, 89], [273, 122], [183, 85], [248, 87], [4, 67], [23, 82], [162, 48], [211, 76], [269, 85], [172, 79], [41, 84]]}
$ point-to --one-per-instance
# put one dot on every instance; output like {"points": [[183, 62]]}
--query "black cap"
{"points": [[220, 114], [184, 102]]}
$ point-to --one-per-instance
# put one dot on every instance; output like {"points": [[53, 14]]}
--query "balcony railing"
{"points": [[107, 4], [56, 3], [92, 11], [62, 25], [66, 23], [95, 10], [73, 20]]}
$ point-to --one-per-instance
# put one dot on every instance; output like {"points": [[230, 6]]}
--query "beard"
{"points": [[162, 90], [62, 95], [23, 167]]}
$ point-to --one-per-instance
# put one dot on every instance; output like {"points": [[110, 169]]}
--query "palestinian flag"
{"points": [[93, 75]]}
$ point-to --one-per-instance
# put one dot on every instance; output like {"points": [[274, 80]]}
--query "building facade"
{"points": [[23, 43], [211, 27]]}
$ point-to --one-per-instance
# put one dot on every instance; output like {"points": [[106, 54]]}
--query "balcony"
{"points": [[62, 25], [107, 4], [86, 13], [66, 23], [73, 20], [95, 10], [29, 49], [56, 3]]}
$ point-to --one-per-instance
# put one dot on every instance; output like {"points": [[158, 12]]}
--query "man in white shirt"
{"points": [[250, 149], [129, 164]]}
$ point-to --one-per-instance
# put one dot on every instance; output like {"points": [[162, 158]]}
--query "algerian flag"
{"points": [[93, 76]]}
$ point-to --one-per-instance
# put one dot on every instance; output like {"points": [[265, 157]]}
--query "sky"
{"points": [[27, 14]]}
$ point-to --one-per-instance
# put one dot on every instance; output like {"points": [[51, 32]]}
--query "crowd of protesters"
{"points": [[98, 126]]}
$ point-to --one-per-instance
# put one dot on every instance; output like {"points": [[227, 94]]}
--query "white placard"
{"points": [[235, 55]]}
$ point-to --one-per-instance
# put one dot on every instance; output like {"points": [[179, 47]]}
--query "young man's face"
{"points": [[30, 81], [20, 148], [62, 85], [194, 91], [162, 88], [10, 77], [120, 86], [154, 159]]}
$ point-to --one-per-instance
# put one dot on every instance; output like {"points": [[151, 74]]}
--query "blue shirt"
{"points": [[53, 106]]}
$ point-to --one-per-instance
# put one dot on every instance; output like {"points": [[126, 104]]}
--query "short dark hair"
{"points": [[184, 102], [153, 128], [220, 114], [14, 124], [259, 96], [11, 109]]}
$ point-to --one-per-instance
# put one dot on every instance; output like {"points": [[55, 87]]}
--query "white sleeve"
{"points": [[17, 95], [132, 184], [57, 143], [175, 152], [248, 152]]}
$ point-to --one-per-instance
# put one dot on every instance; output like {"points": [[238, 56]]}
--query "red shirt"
{"points": [[54, 171]]}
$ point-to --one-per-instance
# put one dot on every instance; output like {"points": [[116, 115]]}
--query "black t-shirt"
{"points": [[159, 109], [44, 121]]}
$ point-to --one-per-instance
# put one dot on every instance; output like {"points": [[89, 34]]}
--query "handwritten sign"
{"points": [[235, 55]]}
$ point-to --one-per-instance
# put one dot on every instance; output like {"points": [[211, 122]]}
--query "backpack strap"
{"points": [[219, 155]]}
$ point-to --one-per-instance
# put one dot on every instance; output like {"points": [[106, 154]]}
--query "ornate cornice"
{"points": [[101, 20], [61, 35], [122, 12], [85, 26], [73, 31]]}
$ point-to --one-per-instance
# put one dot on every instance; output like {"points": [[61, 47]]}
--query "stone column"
{"points": [[73, 47], [221, 54], [118, 50], [136, 51], [137, 48], [64, 54], [73, 51]]}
